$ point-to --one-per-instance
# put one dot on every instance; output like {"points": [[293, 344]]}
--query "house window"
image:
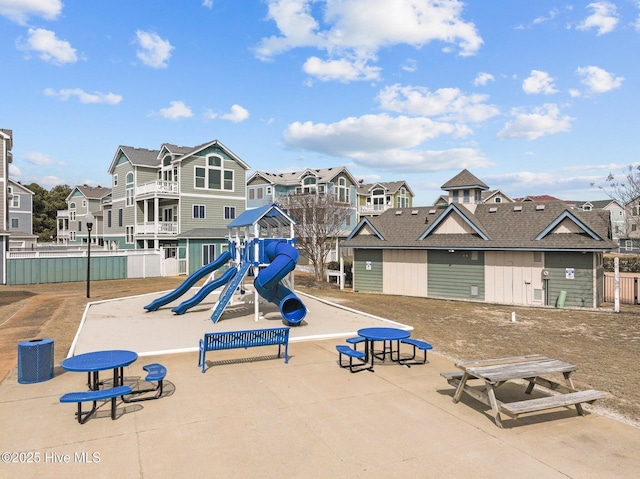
{"points": [[229, 212], [260, 193], [342, 193], [586, 207], [14, 223], [84, 203], [128, 235], [15, 200], [465, 196], [72, 235], [79, 226], [72, 215], [214, 176], [252, 193], [628, 245], [455, 196], [198, 212], [309, 184], [109, 219], [129, 190], [120, 217], [497, 200], [634, 227], [208, 253], [115, 180], [268, 190]]}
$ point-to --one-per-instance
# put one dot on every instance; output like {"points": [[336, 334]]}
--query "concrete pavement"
{"points": [[252, 416]]}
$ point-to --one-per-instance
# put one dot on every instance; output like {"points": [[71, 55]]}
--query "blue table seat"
{"points": [[95, 396], [155, 374], [352, 354], [355, 341], [417, 344]]}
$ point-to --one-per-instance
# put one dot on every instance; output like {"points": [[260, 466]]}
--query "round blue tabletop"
{"points": [[384, 334], [99, 360]]}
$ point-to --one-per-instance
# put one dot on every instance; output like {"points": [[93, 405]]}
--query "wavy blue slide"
{"points": [[189, 282], [205, 290], [283, 259]]}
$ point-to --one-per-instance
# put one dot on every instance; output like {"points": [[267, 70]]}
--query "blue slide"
{"points": [[205, 290], [283, 259], [189, 282]]}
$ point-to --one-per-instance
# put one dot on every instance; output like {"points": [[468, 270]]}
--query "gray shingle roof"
{"points": [[507, 226], [141, 156], [94, 192], [324, 175], [391, 186], [464, 179]]}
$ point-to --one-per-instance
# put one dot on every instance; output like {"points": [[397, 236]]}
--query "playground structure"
{"points": [[261, 239]]}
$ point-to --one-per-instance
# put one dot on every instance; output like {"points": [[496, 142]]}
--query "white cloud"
{"points": [[19, 11], [422, 160], [49, 48], [604, 18], [344, 31], [544, 120], [383, 141], [342, 70], [369, 133], [538, 82], [84, 97], [553, 13], [410, 65], [207, 3], [14, 171], [483, 78], [237, 114], [154, 51], [176, 111], [36, 158], [598, 80], [450, 104]]}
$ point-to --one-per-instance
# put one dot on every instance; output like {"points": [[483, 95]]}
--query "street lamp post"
{"points": [[89, 219]]}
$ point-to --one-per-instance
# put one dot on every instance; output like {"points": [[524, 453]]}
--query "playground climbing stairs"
{"points": [[228, 291]]}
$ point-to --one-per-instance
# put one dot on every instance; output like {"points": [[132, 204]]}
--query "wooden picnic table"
{"points": [[531, 368]]}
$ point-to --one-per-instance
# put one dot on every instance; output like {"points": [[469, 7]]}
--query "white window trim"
{"points": [[204, 212]]}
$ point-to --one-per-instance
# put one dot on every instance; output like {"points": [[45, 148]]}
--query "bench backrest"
{"points": [[245, 339]]}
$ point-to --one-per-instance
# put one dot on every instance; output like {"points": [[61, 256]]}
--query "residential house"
{"points": [[72, 222], [617, 214], [376, 198], [265, 188], [20, 216], [530, 253], [630, 241], [6, 144], [159, 198]]}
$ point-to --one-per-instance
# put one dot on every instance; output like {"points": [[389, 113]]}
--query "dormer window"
{"points": [[309, 184]]}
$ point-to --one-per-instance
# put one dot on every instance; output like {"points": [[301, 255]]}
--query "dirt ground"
{"points": [[604, 345]]}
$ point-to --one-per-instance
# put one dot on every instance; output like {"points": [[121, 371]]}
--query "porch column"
{"points": [[156, 214]]}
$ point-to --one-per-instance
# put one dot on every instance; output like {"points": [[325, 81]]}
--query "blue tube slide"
{"points": [[205, 290], [283, 259], [189, 282]]}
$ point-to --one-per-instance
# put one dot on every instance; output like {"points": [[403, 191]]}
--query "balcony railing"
{"points": [[160, 228], [373, 209], [158, 187], [62, 214]]}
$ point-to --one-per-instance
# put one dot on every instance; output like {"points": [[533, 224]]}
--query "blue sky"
{"points": [[533, 97]]}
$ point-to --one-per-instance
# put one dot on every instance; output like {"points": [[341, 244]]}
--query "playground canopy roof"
{"points": [[268, 216]]}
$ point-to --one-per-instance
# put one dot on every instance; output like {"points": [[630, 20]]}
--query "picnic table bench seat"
{"points": [[550, 402], [417, 344], [244, 339], [95, 396], [355, 340], [351, 354], [155, 374]]}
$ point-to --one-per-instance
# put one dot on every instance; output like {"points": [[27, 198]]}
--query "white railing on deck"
{"points": [[162, 227], [158, 186]]}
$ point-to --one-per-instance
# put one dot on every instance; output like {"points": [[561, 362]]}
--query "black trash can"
{"points": [[35, 361]]}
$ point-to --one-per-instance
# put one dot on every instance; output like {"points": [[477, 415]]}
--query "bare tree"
{"points": [[625, 189], [320, 218]]}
